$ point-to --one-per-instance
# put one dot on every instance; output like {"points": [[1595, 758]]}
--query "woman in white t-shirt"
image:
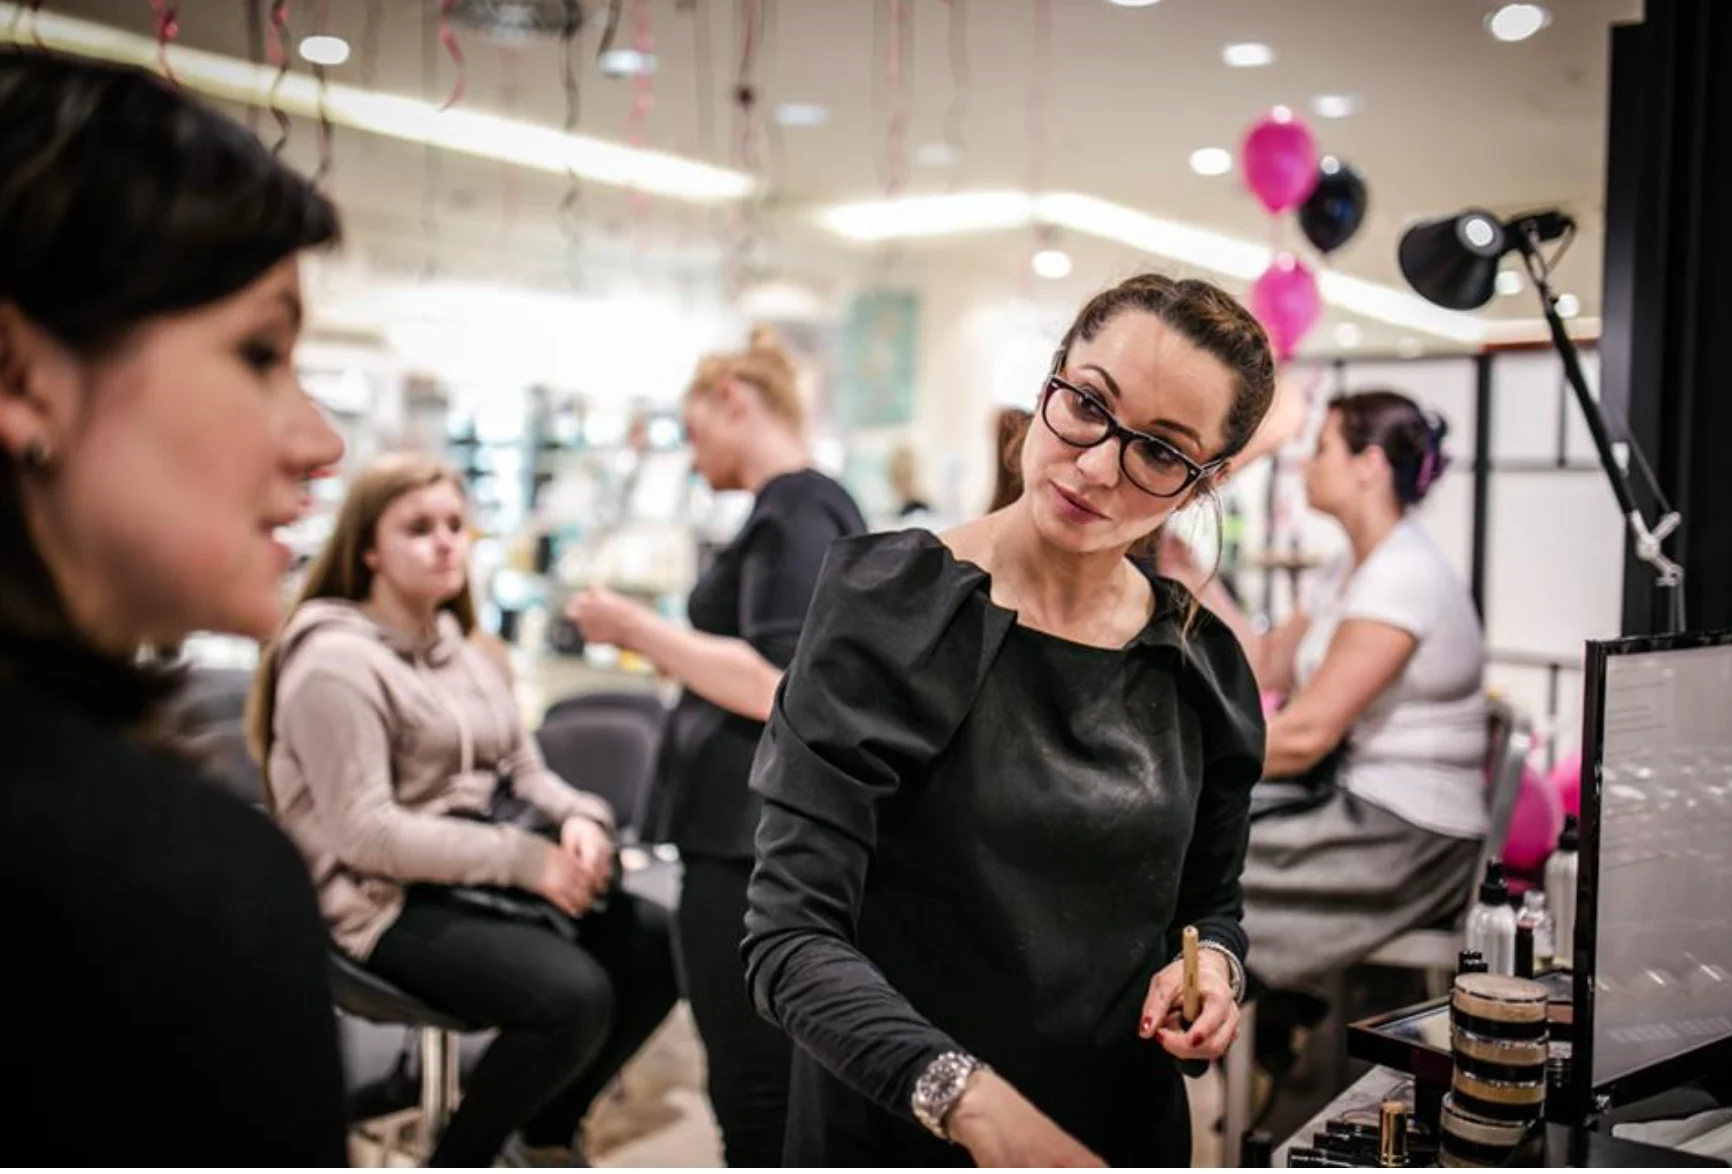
{"points": [[1383, 675]]}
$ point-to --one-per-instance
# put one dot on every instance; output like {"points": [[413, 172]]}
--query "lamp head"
{"points": [[1453, 261]]}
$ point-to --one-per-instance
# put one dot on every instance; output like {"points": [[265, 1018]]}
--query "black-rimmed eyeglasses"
{"points": [[1081, 419]]}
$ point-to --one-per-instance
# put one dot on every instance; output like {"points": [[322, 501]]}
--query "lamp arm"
{"points": [[1647, 541]]}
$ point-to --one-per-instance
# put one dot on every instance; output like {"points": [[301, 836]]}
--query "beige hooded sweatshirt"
{"points": [[378, 737]]}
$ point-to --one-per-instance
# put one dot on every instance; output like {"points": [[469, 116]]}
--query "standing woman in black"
{"points": [[166, 962], [1007, 767], [745, 422]]}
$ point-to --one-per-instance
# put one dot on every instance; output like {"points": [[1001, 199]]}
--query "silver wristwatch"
{"points": [[940, 1087]]}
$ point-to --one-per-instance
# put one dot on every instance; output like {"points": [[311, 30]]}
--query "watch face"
{"points": [[939, 1087]]}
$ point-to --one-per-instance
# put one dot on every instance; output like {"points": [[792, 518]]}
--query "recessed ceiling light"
{"points": [[627, 63], [802, 114], [1410, 348], [1509, 283], [935, 155], [1247, 55], [1518, 22], [1052, 264], [1569, 305], [1133, 3], [1211, 161], [323, 50], [1335, 105], [1347, 335]]}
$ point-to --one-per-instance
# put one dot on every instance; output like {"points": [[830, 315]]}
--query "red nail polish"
{"points": [[1148, 1025]]}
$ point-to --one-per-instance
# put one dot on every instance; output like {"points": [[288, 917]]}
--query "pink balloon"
{"points": [[1279, 161], [1534, 828], [1567, 779], [1285, 300]]}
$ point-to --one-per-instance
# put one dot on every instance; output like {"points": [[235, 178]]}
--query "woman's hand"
{"points": [[999, 1127], [605, 617], [1217, 1024], [591, 846], [565, 882]]}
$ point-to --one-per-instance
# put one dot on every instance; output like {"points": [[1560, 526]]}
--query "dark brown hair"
{"points": [[1012, 430], [1410, 437], [121, 200], [1210, 319]]}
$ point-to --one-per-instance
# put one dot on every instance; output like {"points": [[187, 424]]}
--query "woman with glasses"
{"points": [[1005, 770]]}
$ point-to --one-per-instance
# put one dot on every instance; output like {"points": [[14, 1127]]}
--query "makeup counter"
{"points": [[1621, 1053]]}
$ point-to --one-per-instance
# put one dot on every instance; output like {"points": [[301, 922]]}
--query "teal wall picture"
{"points": [[880, 346]]}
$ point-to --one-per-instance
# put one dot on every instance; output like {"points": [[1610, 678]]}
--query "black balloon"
{"points": [[1336, 209]]}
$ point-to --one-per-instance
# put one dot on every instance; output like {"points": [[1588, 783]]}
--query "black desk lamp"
{"points": [[1454, 261]]}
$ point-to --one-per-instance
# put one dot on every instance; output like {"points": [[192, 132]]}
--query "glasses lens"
{"points": [[1156, 468], [1076, 417], [1080, 419]]}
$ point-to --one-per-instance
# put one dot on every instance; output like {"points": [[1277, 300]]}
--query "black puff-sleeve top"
{"points": [[977, 836]]}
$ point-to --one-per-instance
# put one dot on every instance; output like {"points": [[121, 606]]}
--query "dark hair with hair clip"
{"points": [[1210, 319], [1213, 321], [121, 200], [1411, 438]]}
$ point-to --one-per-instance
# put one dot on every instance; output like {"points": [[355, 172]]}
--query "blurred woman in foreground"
{"points": [[167, 964]]}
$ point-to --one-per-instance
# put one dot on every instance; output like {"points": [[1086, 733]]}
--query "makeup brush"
{"points": [[1191, 1004]]}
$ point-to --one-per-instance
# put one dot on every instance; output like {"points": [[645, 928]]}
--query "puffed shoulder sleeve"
{"points": [[898, 641]]}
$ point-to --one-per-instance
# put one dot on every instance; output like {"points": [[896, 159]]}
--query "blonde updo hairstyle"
{"points": [[764, 366]]}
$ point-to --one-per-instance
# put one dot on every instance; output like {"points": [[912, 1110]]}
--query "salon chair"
{"points": [[363, 995], [607, 744], [211, 708]]}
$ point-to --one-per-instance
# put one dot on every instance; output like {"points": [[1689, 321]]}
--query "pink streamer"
{"points": [[277, 49], [453, 50], [896, 82], [642, 105], [165, 18]]}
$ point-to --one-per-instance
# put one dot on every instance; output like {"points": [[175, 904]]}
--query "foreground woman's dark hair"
{"points": [[120, 201]]}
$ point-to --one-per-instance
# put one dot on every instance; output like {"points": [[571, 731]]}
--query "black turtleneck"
{"points": [[166, 976]]}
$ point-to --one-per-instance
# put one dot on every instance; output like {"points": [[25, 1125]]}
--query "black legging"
{"points": [[749, 1057], [569, 1016]]}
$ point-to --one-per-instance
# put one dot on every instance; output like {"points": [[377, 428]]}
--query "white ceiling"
{"points": [[1450, 118]]}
